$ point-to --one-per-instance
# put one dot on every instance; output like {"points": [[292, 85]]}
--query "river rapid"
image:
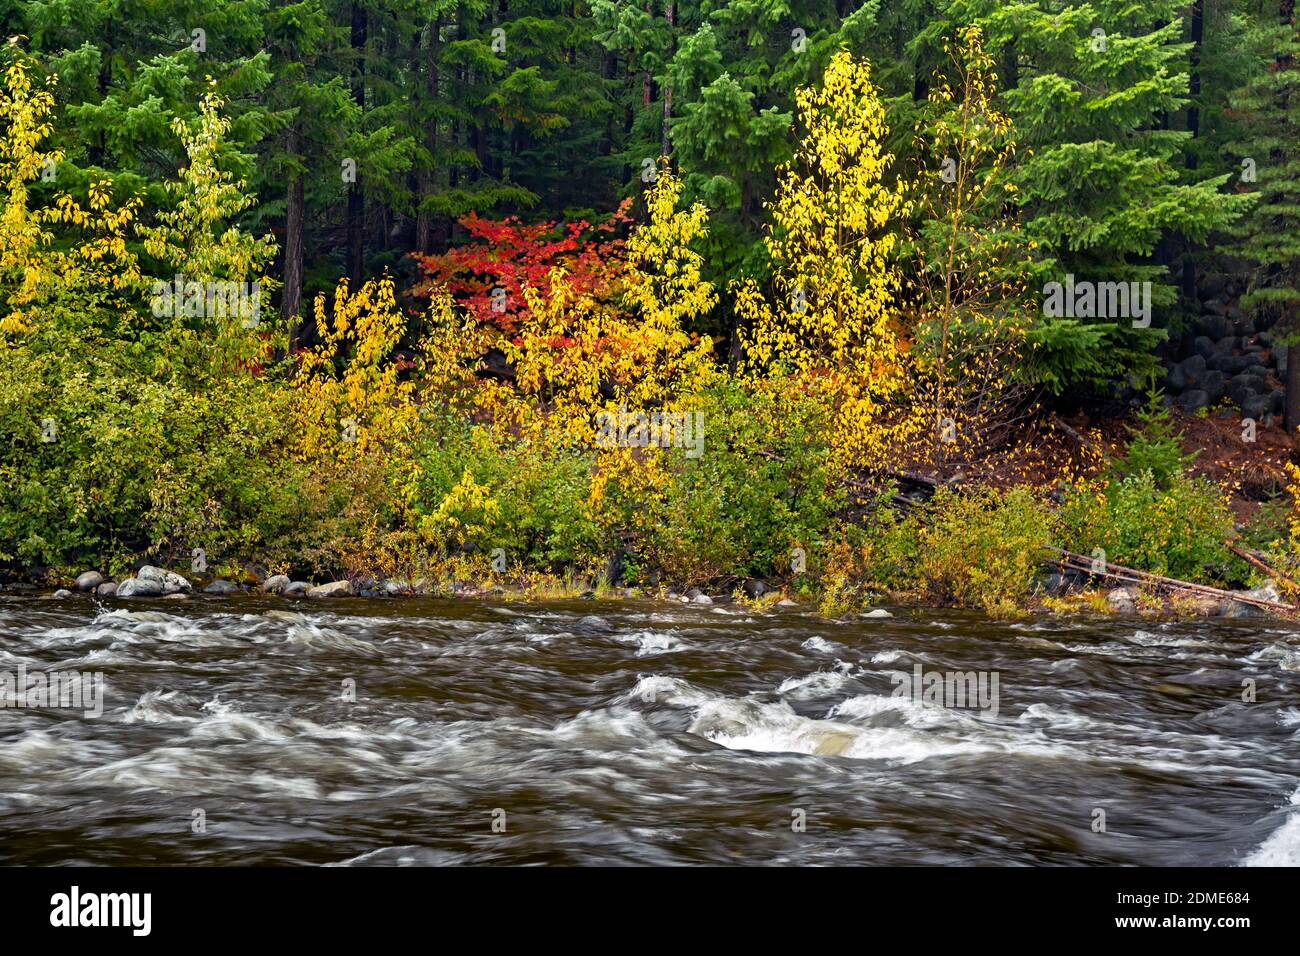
{"points": [[424, 731]]}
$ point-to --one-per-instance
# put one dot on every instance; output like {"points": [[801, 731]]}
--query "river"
{"points": [[424, 731]]}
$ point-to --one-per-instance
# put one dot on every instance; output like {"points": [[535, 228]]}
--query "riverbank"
{"points": [[1054, 593]]}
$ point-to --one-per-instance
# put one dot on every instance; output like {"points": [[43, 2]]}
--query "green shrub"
{"points": [[539, 493], [982, 549], [1178, 531], [761, 488]]}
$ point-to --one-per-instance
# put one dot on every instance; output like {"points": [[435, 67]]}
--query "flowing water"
{"points": [[642, 733]]}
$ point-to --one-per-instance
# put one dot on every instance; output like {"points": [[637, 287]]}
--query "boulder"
{"points": [[1122, 600], [221, 587], [1214, 326], [333, 589], [1255, 407], [1231, 364], [62, 593], [140, 587], [171, 581], [275, 584], [877, 612], [297, 588], [1203, 346], [1213, 384], [89, 580], [1193, 399], [106, 590], [1243, 387]]}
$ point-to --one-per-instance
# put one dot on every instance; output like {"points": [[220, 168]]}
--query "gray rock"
{"points": [[140, 587], [1236, 609], [1193, 367], [106, 590], [62, 593], [1214, 326], [1242, 387], [1203, 346], [786, 602], [221, 587], [1226, 344], [1193, 399], [1255, 407], [89, 580], [1265, 338], [755, 588], [296, 588], [1176, 380], [171, 581], [1122, 600], [1215, 306], [1231, 364], [333, 589], [1213, 384], [877, 612], [275, 584]]}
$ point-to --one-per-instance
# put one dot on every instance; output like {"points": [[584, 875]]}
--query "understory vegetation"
{"points": [[756, 362]]}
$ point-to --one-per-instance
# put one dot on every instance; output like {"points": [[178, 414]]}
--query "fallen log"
{"points": [[1252, 558], [1116, 572]]}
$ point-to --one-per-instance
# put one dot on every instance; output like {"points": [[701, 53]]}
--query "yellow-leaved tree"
{"points": [[222, 269], [832, 322], [33, 271]]}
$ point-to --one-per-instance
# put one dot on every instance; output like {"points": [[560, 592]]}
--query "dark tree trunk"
{"points": [[1292, 404], [291, 296], [356, 220], [1194, 85]]}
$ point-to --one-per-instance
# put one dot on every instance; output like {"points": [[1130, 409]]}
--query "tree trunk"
{"points": [[356, 219], [291, 297], [1292, 385]]}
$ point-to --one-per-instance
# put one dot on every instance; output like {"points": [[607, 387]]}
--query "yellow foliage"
{"points": [[832, 323], [350, 403], [33, 274]]}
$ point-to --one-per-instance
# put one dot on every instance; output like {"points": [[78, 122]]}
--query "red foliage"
{"points": [[506, 254]]}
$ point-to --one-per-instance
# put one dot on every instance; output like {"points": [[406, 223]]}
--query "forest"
{"points": [[791, 300]]}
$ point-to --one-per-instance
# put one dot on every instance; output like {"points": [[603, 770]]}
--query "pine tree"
{"points": [[1267, 109]]}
